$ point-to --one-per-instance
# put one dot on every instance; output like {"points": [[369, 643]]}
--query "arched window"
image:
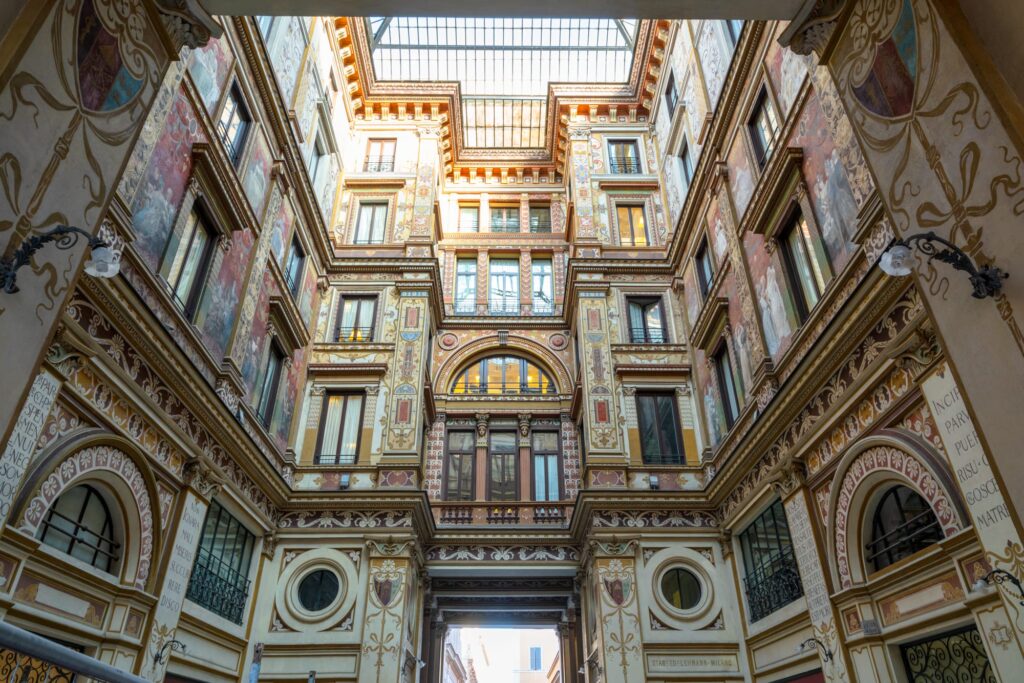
{"points": [[80, 524], [903, 524], [503, 375]]}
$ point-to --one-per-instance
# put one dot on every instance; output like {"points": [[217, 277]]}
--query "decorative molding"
{"points": [[813, 27], [187, 23]]}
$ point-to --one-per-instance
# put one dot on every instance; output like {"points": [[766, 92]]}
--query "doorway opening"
{"points": [[501, 655]]}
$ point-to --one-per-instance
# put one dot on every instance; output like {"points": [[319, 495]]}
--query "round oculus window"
{"points": [[681, 588], [318, 589]]}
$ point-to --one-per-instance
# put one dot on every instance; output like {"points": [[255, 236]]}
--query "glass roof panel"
{"points": [[502, 57]]}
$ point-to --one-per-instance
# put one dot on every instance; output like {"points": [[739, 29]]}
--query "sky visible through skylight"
{"points": [[503, 65]]}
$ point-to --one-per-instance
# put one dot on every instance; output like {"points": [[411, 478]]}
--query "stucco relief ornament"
{"points": [[812, 28], [481, 425], [201, 477], [188, 24]]}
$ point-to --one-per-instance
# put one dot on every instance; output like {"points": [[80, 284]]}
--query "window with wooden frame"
{"points": [[465, 286], [902, 525], [771, 576], [295, 266], [460, 467], [355, 320], [371, 223], [341, 426], [187, 257], [632, 219], [318, 161], [661, 439], [646, 320], [763, 126], [380, 156], [542, 279], [704, 268], [624, 156], [234, 123], [504, 218], [728, 384], [547, 466], [686, 160], [503, 467], [504, 286], [806, 263], [220, 575], [671, 94], [734, 27], [540, 218], [270, 383], [469, 217]]}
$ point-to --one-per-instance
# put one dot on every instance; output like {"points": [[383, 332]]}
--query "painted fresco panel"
{"points": [[777, 314], [256, 179], [210, 67], [216, 313], [287, 396], [256, 342], [281, 231], [741, 177], [287, 55], [835, 208], [713, 60], [163, 185], [787, 71], [308, 297]]}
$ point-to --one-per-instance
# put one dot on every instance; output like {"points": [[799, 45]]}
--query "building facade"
{"points": [[386, 356]]}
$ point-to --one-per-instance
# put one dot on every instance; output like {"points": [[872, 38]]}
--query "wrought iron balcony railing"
{"points": [[499, 226], [465, 513], [218, 587], [503, 306], [465, 307], [379, 165], [354, 334], [624, 165], [540, 226], [25, 657], [773, 585], [497, 388], [325, 459], [542, 308], [647, 335], [664, 459]]}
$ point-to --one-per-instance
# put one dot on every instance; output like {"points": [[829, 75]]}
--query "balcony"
{"points": [[379, 165], [324, 459], [350, 335], [540, 226], [625, 165], [773, 585], [218, 587], [542, 308], [677, 459], [499, 226], [503, 306], [647, 335], [555, 514], [506, 388]]}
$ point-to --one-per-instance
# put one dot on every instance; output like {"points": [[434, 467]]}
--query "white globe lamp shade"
{"points": [[104, 263], [896, 261]]}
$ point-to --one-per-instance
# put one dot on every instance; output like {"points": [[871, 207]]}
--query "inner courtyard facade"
{"points": [[396, 326]]}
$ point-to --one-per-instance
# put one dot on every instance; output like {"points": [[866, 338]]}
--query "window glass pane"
{"points": [[669, 427], [351, 427], [504, 442], [332, 425], [463, 442], [647, 419], [545, 442]]}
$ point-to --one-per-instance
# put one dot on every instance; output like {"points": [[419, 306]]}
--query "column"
{"points": [[421, 234], [65, 136], [618, 612], [202, 486], [480, 485], [810, 552], [382, 656], [586, 238], [525, 468], [404, 399], [604, 437]]}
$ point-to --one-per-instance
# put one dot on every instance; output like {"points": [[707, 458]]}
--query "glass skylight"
{"points": [[503, 66]]}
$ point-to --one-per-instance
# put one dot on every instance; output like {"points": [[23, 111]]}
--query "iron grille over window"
{"points": [[220, 575], [772, 579], [624, 157], [79, 523], [902, 525], [646, 321], [954, 656]]}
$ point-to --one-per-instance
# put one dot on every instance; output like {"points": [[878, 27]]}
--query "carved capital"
{"points": [[789, 477], [187, 23], [524, 425], [813, 27], [629, 391], [481, 424], [579, 132], [202, 479], [683, 391]]}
